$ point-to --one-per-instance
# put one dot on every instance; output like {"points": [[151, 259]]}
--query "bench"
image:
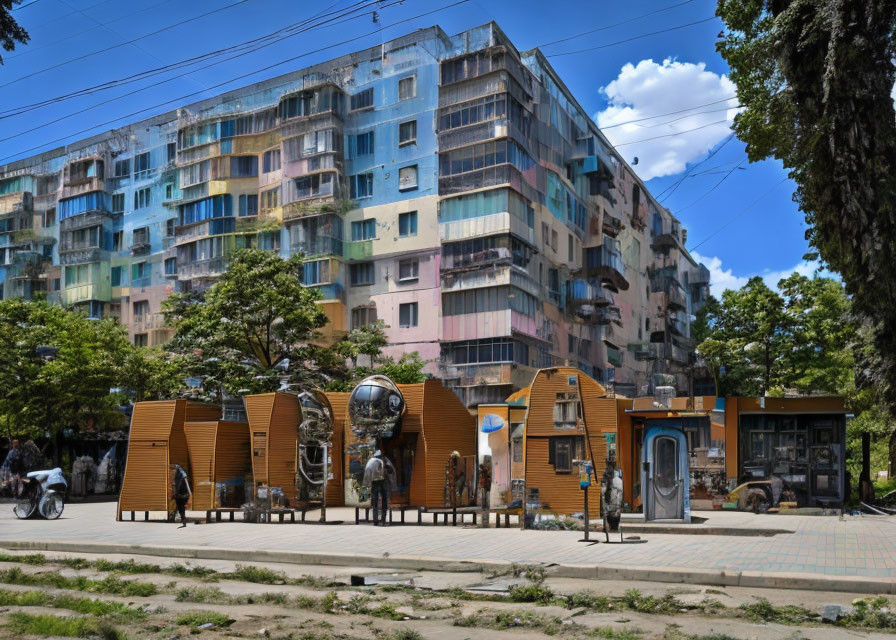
{"points": [[401, 509], [218, 512], [453, 512], [506, 513]]}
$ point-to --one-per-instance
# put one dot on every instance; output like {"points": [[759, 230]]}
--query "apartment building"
{"points": [[450, 186]]}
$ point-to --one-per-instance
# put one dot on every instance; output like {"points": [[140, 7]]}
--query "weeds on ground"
{"points": [[213, 595], [765, 611], [197, 618], [23, 624], [402, 634], [872, 613], [111, 584], [258, 575], [34, 558], [609, 633], [549, 625], [100, 608], [531, 593]]}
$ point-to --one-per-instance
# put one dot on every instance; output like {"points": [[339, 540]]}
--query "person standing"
{"points": [[181, 492], [380, 476]]}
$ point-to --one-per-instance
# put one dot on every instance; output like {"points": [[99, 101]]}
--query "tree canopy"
{"points": [[815, 80], [10, 30]]}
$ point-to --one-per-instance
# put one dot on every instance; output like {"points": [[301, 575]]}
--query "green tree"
{"points": [[10, 30], [814, 78], [152, 374], [256, 325], [369, 341]]}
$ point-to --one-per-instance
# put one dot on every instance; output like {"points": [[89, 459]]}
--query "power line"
{"points": [[685, 117], [245, 75], [24, 5], [293, 29], [669, 113], [155, 84], [737, 215], [713, 188], [669, 135], [618, 24], [645, 35], [122, 44], [674, 186]]}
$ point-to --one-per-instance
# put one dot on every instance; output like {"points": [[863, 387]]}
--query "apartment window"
{"points": [[139, 270], [141, 340], [248, 205], [407, 88], [571, 248], [407, 178], [316, 272], [117, 203], [141, 166], [554, 238], [408, 270], [170, 224], [141, 198], [117, 240], [169, 191], [244, 167], [362, 100], [141, 235], [123, 168], [361, 273], [141, 308], [545, 234], [171, 148], [407, 315], [563, 450], [407, 224], [363, 317], [271, 160], [407, 133], [364, 144], [171, 266], [270, 199], [361, 186], [364, 229], [50, 217], [115, 276]]}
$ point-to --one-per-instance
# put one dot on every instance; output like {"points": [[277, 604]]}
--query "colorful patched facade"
{"points": [[450, 186]]}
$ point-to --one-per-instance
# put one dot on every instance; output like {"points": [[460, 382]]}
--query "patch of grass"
{"points": [[765, 611], [403, 634], [125, 566], [530, 593], [24, 624], [34, 558], [206, 595], [99, 608], [637, 601], [197, 618], [386, 611], [501, 620], [609, 633], [73, 563], [187, 571], [111, 584], [871, 613], [258, 575], [589, 600]]}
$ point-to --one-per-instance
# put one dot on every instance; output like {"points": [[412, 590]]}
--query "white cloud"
{"points": [[649, 89], [721, 279]]}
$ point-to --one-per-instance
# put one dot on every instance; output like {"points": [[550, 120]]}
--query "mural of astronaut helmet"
{"points": [[375, 407], [317, 417]]}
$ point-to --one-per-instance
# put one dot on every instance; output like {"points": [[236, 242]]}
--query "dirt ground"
{"points": [[219, 599]]}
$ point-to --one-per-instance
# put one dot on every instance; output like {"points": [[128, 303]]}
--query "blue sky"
{"points": [[615, 83]]}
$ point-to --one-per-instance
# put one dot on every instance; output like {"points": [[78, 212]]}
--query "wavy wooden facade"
{"points": [[219, 451], [558, 491], [157, 440], [273, 428], [435, 424]]}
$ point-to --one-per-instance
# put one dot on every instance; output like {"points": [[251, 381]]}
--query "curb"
{"points": [[676, 575]]}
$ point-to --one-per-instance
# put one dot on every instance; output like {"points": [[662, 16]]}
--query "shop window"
{"points": [[407, 133], [361, 273], [407, 88], [407, 315], [407, 178], [408, 270], [362, 100], [407, 224]]}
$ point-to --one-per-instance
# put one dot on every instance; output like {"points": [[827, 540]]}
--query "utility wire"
{"points": [[685, 117], [293, 29], [737, 215], [678, 182], [669, 135], [713, 188], [122, 44], [611, 26], [245, 75], [24, 5], [645, 35], [669, 113]]}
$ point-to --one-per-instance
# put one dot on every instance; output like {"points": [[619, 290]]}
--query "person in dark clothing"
{"points": [[380, 476], [181, 492]]}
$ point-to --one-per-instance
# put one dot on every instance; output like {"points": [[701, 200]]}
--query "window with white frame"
{"points": [[141, 166], [407, 133], [408, 270], [142, 198], [364, 229], [407, 178], [271, 161], [407, 315], [567, 410], [407, 88], [361, 186], [407, 224]]}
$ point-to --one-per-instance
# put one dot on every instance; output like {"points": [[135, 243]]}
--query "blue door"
{"points": [[664, 473]]}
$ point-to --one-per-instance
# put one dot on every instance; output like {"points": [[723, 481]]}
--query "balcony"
{"points": [[94, 218], [330, 291], [80, 256], [661, 351], [84, 293], [486, 226], [676, 298], [207, 268], [140, 247], [16, 203], [698, 276], [606, 315], [583, 292], [314, 206], [216, 226], [468, 375], [612, 225], [606, 264], [665, 235], [478, 260], [358, 250], [144, 322], [318, 246]]}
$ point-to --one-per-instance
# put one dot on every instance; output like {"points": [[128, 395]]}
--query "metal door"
{"points": [[666, 479]]}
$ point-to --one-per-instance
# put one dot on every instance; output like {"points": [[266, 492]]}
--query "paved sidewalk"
{"points": [[821, 553]]}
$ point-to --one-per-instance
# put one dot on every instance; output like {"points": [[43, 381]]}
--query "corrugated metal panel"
{"points": [[732, 418], [282, 443], [336, 486], [625, 447], [412, 420], [447, 427], [144, 486], [201, 443], [258, 410], [202, 412], [233, 457]]}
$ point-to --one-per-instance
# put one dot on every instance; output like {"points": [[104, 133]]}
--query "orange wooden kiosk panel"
{"points": [[335, 485], [273, 422], [155, 441], [219, 451]]}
